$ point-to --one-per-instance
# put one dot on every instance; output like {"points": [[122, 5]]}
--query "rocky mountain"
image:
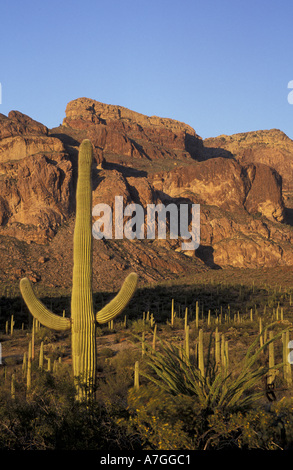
{"points": [[237, 180], [270, 147]]}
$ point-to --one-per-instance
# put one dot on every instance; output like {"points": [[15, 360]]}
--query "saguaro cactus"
{"points": [[82, 321]]}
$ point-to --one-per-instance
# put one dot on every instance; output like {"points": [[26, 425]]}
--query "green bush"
{"points": [[174, 372], [49, 418], [179, 408], [166, 422], [268, 429]]}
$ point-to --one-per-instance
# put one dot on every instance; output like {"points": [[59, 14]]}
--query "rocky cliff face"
{"points": [[117, 131], [237, 180], [228, 185], [35, 179], [270, 147]]}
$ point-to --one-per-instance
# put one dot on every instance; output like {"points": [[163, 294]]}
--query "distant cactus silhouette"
{"points": [[83, 321]]}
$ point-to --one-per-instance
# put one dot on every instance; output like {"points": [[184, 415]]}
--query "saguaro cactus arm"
{"points": [[83, 320], [39, 311], [120, 301]]}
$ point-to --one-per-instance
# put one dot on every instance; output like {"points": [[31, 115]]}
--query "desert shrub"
{"points": [[179, 408], [106, 352], [138, 326], [156, 417], [172, 371], [118, 378], [49, 418], [167, 422], [46, 335], [269, 428], [178, 324]]}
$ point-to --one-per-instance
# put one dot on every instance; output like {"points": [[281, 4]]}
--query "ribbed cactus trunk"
{"points": [[83, 326], [82, 321]]}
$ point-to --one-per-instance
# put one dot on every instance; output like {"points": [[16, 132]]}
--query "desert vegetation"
{"points": [[198, 364], [188, 365]]}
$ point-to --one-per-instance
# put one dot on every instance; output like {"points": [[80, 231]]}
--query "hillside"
{"points": [[198, 358], [237, 180]]}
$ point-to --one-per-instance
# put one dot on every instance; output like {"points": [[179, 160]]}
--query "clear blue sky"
{"points": [[221, 66]]}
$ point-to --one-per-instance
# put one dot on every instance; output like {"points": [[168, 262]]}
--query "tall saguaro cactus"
{"points": [[82, 321]]}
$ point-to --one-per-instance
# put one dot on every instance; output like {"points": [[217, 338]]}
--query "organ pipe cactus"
{"points": [[82, 321]]}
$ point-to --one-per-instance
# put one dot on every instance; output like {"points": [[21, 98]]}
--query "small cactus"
{"points": [[196, 315], [287, 365], [12, 323], [41, 356], [24, 364], [29, 368], [272, 373], [154, 337], [136, 375], [172, 313], [82, 321], [201, 353], [186, 343], [13, 386], [186, 318], [217, 347], [143, 345]]}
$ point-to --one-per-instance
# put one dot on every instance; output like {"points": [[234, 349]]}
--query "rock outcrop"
{"points": [[119, 132], [35, 179], [270, 147], [237, 181], [228, 185]]}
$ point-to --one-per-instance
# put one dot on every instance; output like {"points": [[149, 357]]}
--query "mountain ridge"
{"points": [[245, 213]]}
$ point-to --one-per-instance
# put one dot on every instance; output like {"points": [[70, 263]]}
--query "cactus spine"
{"points": [[82, 321]]}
